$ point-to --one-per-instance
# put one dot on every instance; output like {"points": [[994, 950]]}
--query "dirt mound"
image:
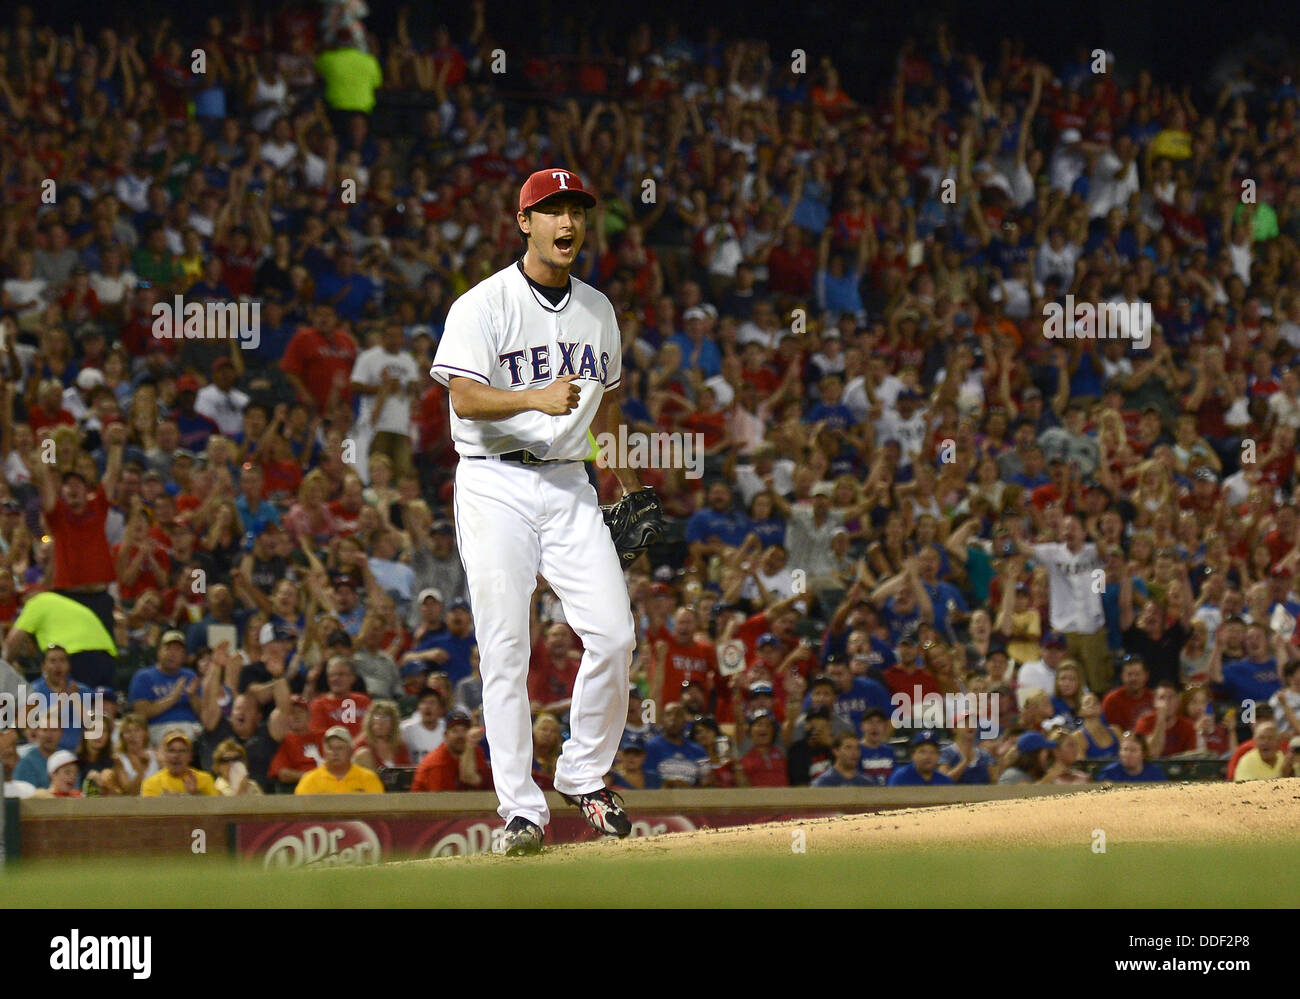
{"points": [[1192, 813], [1162, 813]]}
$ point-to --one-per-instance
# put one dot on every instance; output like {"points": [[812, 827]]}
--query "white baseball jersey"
{"points": [[514, 521], [503, 333], [1074, 603]]}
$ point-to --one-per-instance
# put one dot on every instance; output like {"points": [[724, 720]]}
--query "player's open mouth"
{"points": [[564, 244]]}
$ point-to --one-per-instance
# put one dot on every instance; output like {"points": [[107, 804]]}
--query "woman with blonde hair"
{"points": [[1155, 490], [381, 493], [547, 740], [311, 515], [135, 760], [381, 742], [230, 767]]}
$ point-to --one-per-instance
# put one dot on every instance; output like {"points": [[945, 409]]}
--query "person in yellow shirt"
{"points": [[338, 774], [177, 776], [1266, 761]]}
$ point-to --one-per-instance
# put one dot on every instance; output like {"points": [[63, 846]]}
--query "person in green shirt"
{"points": [[1263, 220], [154, 263], [351, 79], [53, 619]]}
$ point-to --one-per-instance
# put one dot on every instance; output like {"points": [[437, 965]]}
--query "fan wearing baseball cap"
{"points": [[459, 764], [167, 694], [338, 774], [177, 776], [923, 770]]}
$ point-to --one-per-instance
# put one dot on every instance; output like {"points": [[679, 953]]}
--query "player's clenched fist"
{"points": [[559, 397]]}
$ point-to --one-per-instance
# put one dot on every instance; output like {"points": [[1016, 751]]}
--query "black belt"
{"points": [[523, 457]]}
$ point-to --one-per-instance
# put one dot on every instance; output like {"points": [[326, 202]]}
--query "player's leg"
{"points": [[495, 511], [582, 566]]}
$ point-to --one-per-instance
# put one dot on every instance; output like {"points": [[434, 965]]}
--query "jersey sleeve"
{"points": [[467, 345], [613, 371]]}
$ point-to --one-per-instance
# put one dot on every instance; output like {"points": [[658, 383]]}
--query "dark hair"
{"points": [[1140, 741], [840, 739]]}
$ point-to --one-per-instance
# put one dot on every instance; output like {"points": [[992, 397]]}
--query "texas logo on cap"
{"points": [[549, 182]]}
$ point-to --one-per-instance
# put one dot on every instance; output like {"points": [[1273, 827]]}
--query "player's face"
{"points": [[557, 228]]}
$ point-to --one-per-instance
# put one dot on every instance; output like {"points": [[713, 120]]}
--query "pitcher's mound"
{"points": [[1173, 813]]}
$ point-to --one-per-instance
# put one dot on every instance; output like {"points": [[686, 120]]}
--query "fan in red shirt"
{"points": [[764, 765], [141, 562], [909, 673], [431, 420], [1126, 703], [661, 601], [347, 508], [340, 704], [48, 409], [300, 746], [552, 668], [791, 264], [75, 516], [682, 657], [459, 764], [319, 364], [1179, 734]]}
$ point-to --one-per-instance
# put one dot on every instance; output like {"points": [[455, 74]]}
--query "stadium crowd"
{"points": [[245, 544]]}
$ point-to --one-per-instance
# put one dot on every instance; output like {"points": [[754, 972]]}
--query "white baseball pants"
{"points": [[512, 522]]}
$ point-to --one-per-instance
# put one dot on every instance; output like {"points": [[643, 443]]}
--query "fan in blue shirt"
{"points": [[718, 522], [846, 770], [923, 770], [1132, 767], [673, 758]]}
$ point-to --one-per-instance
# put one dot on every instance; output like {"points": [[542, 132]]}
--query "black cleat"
{"points": [[522, 838], [603, 810]]}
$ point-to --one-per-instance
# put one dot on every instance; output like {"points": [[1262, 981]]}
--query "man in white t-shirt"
{"points": [[751, 478], [1040, 674], [1114, 178], [1076, 577], [220, 401], [424, 731], [904, 423], [386, 379]]}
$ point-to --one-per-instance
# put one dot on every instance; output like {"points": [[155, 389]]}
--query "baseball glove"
{"points": [[634, 522]]}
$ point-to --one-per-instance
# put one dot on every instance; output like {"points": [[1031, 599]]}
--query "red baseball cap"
{"points": [[551, 181]]}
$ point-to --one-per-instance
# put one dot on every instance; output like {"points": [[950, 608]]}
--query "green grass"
{"points": [[1144, 875]]}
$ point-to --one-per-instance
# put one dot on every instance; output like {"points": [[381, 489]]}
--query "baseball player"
{"points": [[531, 358]]}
